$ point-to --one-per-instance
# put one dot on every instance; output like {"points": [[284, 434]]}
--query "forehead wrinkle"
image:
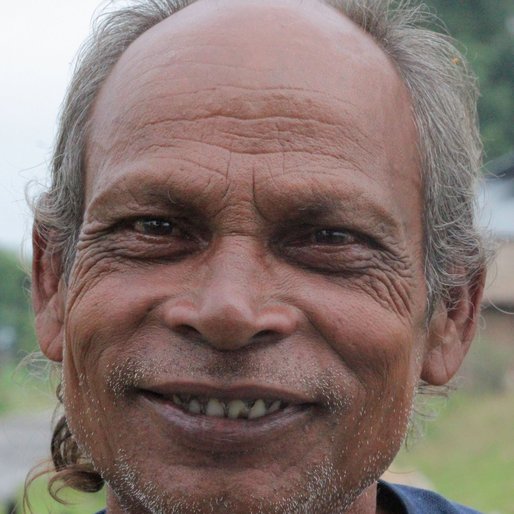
{"points": [[170, 52], [255, 137], [263, 134], [330, 167], [303, 97], [232, 102], [113, 165], [226, 103]]}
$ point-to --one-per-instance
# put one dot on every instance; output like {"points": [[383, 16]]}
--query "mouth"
{"points": [[239, 408], [227, 420]]}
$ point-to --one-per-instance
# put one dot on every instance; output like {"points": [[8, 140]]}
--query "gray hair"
{"points": [[444, 96]]}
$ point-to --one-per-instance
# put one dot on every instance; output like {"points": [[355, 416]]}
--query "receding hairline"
{"points": [[186, 27], [205, 13], [375, 66]]}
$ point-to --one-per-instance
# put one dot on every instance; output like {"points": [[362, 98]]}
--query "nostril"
{"points": [[264, 334], [188, 331]]}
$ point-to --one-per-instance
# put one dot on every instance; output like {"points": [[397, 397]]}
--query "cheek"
{"points": [[100, 320], [380, 351], [373, 342], [103, 317]]}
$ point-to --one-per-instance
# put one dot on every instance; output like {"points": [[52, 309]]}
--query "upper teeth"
{"points": [[233, 409]]}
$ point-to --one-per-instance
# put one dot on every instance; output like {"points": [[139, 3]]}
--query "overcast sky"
{"points": [[38, 41]]}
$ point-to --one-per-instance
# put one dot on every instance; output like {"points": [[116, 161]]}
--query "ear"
{"points": [[48, 295], [451, 331]]}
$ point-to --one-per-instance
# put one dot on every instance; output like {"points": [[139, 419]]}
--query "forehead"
{"points": [[258, 78]]}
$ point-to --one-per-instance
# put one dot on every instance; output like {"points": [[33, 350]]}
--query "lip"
{"points": [[234, 392], [222, 435]]}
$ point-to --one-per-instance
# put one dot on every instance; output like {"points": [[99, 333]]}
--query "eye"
{"points": [[328, 236], [156, 227]]}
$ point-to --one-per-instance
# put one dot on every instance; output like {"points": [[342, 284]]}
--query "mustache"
{"points": [[331, 388]]}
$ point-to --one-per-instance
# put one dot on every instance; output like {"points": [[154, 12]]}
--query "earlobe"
{"points": [[48, 295], [451, 331]]}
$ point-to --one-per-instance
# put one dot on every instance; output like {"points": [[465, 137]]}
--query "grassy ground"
{"points": [[468, 452], [42, 503], [23, 390], [26, 388]]}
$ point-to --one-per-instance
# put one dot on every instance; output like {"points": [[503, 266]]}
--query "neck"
{"points": [[366, 503]]}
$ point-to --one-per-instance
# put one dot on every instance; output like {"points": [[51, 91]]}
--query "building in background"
{"points": [[498, 314]]}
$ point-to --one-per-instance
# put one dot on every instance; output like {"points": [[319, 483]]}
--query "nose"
{"points": [[234, 305]]}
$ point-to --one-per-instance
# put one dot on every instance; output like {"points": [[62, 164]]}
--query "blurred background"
{"points": [[466, 453]]}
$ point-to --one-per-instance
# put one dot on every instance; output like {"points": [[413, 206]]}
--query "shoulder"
{"points": [[421, 501]]}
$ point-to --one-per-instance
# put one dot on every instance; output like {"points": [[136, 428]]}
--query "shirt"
{"points": [[402, 499]]}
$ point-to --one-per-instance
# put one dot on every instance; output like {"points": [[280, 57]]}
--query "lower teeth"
{"points": [[235, 409]]}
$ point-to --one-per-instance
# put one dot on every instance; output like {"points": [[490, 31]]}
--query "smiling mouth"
{"points": [[233, 409], [226, 419]]}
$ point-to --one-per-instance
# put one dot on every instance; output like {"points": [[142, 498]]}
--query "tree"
{"points": [[486, 30], [16, 320]]}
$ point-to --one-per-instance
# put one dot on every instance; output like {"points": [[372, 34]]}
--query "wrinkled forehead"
{"points": [[259, 64]]}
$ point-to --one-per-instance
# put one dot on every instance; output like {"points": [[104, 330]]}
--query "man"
{"points": [[258, 242]]}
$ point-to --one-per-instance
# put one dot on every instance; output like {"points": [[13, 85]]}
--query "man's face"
{"points": [[252, 231]]}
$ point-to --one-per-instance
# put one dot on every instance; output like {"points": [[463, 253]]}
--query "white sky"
{"points": [[38, 41]]}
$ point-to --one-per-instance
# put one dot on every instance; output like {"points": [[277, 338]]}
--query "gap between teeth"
{"points": [[233, 409]]}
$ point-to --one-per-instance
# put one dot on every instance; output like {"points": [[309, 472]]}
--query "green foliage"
{"points": [[468, 452], [15, 311], [486, 30], [21, 390], [76, 503]]}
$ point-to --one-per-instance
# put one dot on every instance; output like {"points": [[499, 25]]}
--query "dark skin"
{"points": [[253, 223]]}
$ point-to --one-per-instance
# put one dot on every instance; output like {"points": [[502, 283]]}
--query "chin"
{"points": [[312, 489]]}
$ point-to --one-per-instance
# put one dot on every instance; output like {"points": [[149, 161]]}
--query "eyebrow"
{"points": [[356, 210], [353, 209], [147, 195]]}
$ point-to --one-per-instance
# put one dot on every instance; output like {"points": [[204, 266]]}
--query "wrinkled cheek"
{"points": [[86, 399], [383, 422], [381, 358], [99, 324], [371, 436]]}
